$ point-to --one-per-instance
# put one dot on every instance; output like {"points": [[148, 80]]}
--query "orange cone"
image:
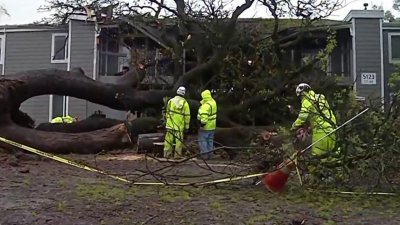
{"points": [[276, 181]]}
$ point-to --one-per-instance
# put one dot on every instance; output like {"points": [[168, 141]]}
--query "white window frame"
{"points": [[65, 103], [3, 48], [391, 60], [53, 36], [109, 53]]}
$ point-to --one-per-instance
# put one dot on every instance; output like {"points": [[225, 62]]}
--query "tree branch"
{"points": [[219, 52]]}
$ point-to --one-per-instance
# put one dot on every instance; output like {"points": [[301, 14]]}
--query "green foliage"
{"points": [[323, 55], [370, 144], [257, 69], [394, 80]]}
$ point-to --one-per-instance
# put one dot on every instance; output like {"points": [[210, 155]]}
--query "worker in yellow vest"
{"points": [[177, 116], [64, 119], [207, 116], [315, 109]]}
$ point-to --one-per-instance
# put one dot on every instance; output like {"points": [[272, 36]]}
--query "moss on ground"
{"points": [[262, 206], [104, 192], [169, 195]]}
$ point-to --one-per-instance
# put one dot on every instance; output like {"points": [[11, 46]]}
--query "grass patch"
{"points": [[260, 219], [61, 206], [27, 181], [216, 206], [173, 194]]}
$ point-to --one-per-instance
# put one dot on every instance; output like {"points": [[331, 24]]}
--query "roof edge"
{"points": [[370, 14]]}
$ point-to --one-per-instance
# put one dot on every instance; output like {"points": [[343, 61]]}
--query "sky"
{"points": [[25, 11]]}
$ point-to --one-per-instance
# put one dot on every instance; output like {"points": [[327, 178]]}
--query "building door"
{"points": [[59, 106]]}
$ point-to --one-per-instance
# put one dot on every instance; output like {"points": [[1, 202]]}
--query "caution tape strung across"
{"points": [[81, 166], [60, 159]]}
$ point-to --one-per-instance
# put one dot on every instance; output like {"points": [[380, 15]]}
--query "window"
{"points": [[59, 48], [2, 47], [394, 47], [109, 56], [59, 106]]}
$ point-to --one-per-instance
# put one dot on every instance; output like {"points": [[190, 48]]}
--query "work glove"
{"points": [[201, 125], [302, 134]]}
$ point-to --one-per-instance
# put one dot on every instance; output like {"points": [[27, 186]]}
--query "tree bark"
{"points": [[62, 143], [17, 88]]}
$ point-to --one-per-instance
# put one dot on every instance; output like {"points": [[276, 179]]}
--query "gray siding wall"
{"points": [[31, 51], [388, 67], [368, 56], [110, 113], [82, 54]]}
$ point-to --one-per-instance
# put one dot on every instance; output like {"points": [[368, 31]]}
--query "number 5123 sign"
{"points": [[368, 78]]}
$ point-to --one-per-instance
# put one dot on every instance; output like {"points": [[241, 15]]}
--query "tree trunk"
{"points": [[63, 143], [17, 88]]}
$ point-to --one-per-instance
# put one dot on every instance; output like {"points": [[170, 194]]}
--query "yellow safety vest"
{"points": [[177, 114], [207, 113], [315, 108], [63, 119]]}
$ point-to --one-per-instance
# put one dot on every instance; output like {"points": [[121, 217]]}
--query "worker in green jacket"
{"points": [[207, 116], [177, 115], [316, 110], [64, 119]]}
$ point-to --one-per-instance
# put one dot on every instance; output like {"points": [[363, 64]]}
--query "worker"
{"points": [[207, 116], [64, 119], [177, 114], [315, 109]]}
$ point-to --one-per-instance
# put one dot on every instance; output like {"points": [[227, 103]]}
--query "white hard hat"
{"points": [[301, 88], [181, 91]]}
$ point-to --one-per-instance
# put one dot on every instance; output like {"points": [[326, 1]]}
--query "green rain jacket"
{"points": [[177, 114], [207, 114], [315, 108]]}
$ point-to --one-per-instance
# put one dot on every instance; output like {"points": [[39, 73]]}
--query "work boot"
{"points": [[203, 156], [178, 157], [168, 154]]}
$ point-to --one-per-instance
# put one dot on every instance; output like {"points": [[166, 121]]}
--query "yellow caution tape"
{"points": [[59, 159], [78, 165], [229, 179], [355, 192]]}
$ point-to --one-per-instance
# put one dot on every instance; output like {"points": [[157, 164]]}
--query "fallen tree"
{"points": [[77, 137], [216, 52], [19, 87]]}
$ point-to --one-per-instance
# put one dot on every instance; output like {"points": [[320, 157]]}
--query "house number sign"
{"points": [[368, 78]]}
